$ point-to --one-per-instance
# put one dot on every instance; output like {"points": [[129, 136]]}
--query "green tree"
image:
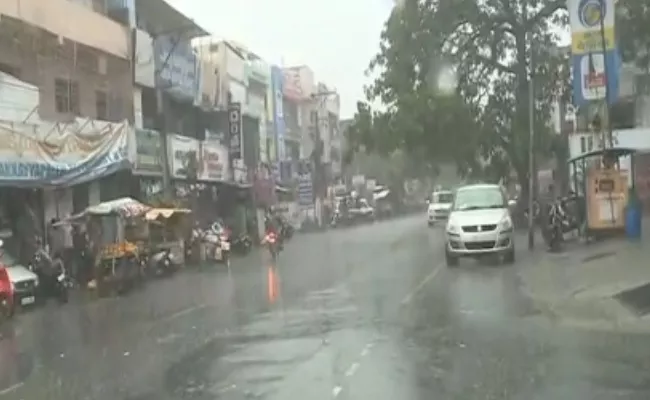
{"points": [[487, 45], [633, 31]]}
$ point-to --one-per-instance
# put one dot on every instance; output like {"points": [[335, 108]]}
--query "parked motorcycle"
{"points": [[52, 276], [162, 263], [564, 216]]}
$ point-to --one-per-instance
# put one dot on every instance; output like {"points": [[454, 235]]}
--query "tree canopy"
{"points": [[489, 49]]}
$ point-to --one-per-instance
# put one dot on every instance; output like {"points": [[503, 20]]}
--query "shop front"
{"points": [[148, 167], [50, 170]]}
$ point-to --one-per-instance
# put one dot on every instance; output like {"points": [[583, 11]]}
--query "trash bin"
{"points": [[633, 216]]}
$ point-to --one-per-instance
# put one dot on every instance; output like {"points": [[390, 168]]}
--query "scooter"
{"points": [[162, 263], [52, 277]]}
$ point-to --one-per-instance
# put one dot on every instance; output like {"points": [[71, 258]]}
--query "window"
{"points": [[101, 104], [478, 198], [583, 144], [66, 94]]}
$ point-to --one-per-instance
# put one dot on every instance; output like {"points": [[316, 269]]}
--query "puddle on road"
{"points": [[637, 300]]}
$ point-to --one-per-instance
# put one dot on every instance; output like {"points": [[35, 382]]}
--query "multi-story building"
{"points": [[298, 90], [66, 100]]}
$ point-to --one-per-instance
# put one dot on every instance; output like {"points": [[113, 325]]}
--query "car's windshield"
{"points": [[478, 198], [443, 197]]}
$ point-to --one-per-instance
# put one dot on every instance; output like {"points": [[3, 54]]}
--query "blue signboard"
{"points": [[595, 76], [178, 66], [277, 79]]}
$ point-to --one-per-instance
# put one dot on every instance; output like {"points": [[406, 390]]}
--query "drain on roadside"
{"points": [[636, 300], [598, 256]]}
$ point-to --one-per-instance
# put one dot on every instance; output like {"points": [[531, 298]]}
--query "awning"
{"points": [[156, 213], [381, 195], [167, 20], [125, 206]]}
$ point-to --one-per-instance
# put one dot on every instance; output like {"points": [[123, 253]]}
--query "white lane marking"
{"points": [[184, 312], [11, 388], [336, 391], [409, 297], [353, 368]]}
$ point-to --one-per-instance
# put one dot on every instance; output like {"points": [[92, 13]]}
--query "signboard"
{"points": [[37, 155], [183, 158], [305, 189], [213, 163], [595, 64], [586, 27], [235, 130], [149, 157]]}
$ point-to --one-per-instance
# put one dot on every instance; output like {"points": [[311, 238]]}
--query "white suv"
{"points": [[479, 224], [439, 206]]}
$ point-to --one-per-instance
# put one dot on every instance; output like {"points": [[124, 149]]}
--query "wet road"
{"points": [[370, 312]]}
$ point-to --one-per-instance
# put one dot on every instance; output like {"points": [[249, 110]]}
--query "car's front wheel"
{"points": [[452, 261], [509, 257]]}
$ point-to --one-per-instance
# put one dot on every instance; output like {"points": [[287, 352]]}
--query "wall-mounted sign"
{"points": [[234, 130], [213, 162], [184, 156], [149, 157]]}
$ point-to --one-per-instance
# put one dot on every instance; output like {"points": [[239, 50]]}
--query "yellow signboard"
{"points": [[592, 41]]}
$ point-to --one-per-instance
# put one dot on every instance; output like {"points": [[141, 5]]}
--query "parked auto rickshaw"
{"points": [[114, 229], [166, 232], [598, 176]]}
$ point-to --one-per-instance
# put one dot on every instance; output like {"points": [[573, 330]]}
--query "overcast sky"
{"points": [[337, 38]]}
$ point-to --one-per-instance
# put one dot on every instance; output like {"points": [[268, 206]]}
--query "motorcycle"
{"points": [[271, 241], [562, 218], [217, 247], [162, 263], [52, 277], [242, 244]]}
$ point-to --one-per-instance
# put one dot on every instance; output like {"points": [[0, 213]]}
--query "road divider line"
{"points": [[352, 370], [11, 388], [409, 297], [183, 312]]}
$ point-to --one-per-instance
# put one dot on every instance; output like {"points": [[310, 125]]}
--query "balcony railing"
{"points": [[72, 21]]}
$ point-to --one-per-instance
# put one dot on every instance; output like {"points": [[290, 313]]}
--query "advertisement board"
{"points": [[183, 156], [149, 156], [38, 155], [595, 63], [213, 162], [277, 81]]}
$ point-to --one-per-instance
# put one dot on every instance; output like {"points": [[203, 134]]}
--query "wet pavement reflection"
{"points": [[368, 312]]}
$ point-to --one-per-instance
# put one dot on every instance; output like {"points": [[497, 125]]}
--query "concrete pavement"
{"points": [[370, 312]]}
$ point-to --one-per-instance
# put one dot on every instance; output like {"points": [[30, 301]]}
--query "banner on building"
{"points": [[235, 130], [37, 155], [305, 189], [183, 157], [149, 153], [213, 163], [595, 63]]}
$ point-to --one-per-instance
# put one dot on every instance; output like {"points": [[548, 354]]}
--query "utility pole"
{"points": [[610, 133], [531, 149]]}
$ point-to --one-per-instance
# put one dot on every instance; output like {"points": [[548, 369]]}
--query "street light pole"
{"points": [[603, 12], [531, 151]]}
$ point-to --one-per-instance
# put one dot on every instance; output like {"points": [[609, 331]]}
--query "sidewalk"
{"points": [[579, 285]]}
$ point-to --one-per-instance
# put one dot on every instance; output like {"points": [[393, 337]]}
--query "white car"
{"points": [[439, 206], [479, 224]]}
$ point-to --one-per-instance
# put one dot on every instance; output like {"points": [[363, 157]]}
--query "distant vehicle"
{"points": [[479, 225], [439, 206]]}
